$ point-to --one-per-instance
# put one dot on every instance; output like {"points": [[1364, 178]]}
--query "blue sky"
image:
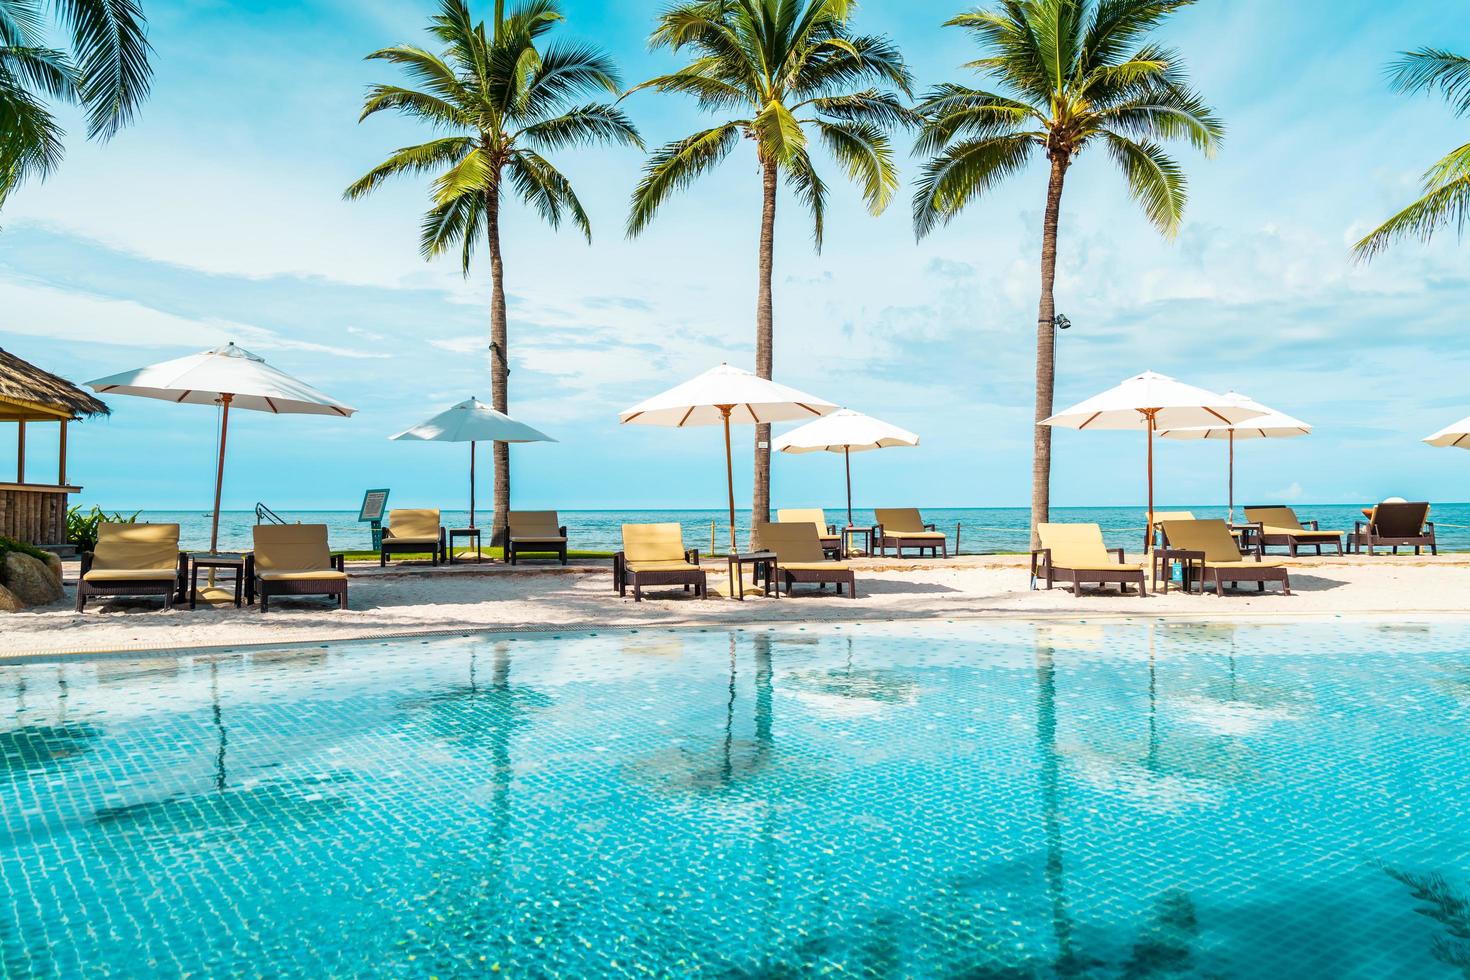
{"points": [[219, 216]]}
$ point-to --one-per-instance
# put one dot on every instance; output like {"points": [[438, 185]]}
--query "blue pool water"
{"points": [[1004, 799], [980, 530]]}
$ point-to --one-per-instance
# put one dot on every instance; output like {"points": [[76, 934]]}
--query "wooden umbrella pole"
{"points": [[219, 474], [1230, 479], [1151, 414], [472, 483], [847, 462], [729, 474]]}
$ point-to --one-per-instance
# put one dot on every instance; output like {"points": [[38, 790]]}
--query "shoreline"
{"points": [[412, 600]]}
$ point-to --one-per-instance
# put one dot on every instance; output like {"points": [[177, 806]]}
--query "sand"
{"points": [[413, 599]]}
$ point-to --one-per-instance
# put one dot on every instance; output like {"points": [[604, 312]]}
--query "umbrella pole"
{"points": [[729, 474], [1230, 481], [1150, 415], [847, 462], [219, 477], [472, 483]]}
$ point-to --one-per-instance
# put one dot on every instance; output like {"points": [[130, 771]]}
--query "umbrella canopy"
{"points": [[1270, 424], [845, 432], [1452, 436], [472, 421], [227, 376], [1151, 402], [721, 396], [208, 377]]}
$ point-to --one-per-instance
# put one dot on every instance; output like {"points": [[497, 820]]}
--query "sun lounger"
{"points": [[800, 557], [654, 554], [134, 560], [293, 559], [1151, 535], [1211, 553], [413, 532], [1075, 553], [826, 533], [1395, 525], [536, 532], [1279, 527], [902, 527]]}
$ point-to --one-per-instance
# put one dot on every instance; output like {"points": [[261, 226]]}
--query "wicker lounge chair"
{"points": [[1151, 536], [1279, 527], [800, 557], [1395, 525], [826, 533], [1075, 553], [654, 554], [413, 532], [293, 559], [1213, 554], [134, 560], [902, 527], [536, 532]]}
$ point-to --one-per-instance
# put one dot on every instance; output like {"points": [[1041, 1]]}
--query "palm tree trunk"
{"points": [[1046, 351], [499, 369], [760, 503]]}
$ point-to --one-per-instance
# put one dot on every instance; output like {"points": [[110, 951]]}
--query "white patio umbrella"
{"points": [[1270, 424], [229, 377], [472, 421], [844, 432], [1151, 402], [721, 396], [1455, 436]]}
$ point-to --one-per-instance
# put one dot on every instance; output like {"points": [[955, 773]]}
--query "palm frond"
{"points": [[32, 147], [865, 153], [1433, 68], [675, 166], [1165, 113], [434, 155], [807, 185], [1155, 180], [951, 111], [425, 68], [43, 70], [473, 173], [585, 125], [419, 105], [110, 41], [871, 106], [960, 174], [456, 222], [1443, 207], [1117, 25], [566, 72], [712, 94], [779, 133], [544, 188]]}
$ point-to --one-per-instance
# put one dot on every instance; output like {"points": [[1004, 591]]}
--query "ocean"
{"points": [[987, 530]]}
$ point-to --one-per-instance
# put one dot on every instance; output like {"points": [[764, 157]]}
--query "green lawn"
{"points": [[489, 553]]}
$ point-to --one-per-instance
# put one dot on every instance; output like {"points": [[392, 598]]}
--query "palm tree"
{"points": [[503, 102], [1446, 198], [1072, 74], [792, 69], [106, 72]]}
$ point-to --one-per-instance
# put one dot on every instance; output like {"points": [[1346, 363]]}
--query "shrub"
{"points": [[81, 526]]}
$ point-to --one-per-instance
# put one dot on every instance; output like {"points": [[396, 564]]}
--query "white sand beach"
{"points": [[410, 598]]}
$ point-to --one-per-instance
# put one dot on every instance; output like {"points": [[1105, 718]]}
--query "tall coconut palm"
{"points": [[793, 70], [106, 71], [503, 102], [1071, 74], [1446, 197]]}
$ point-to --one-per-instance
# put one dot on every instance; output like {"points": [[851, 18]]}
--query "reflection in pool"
{"points": [[1127, 799]]}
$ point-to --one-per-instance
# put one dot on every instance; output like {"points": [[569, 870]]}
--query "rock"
{"points": [[53, 562], [8, 601], [30, 580]]}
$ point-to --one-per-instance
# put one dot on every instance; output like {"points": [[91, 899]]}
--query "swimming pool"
{"points": [[951, 799]]}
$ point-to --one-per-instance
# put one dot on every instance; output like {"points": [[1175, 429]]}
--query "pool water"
{"points": [[998, 799]]}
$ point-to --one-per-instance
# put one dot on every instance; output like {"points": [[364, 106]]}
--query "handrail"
{"points": [[264, 515]]}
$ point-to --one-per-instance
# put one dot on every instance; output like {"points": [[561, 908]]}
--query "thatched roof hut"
{"points": [[29, 394]]}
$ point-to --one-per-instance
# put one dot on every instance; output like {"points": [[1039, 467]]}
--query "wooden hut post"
{"points": [[20, 453], [61, 456]]}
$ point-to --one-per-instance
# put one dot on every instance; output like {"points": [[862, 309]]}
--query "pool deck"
{"points": [[412, 599]]}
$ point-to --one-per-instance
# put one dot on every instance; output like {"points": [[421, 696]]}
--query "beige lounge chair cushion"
{"points": [[653, 543], [291, 548], [427, 542], [793, 544], [534, 525], [814, 566], [913, 535], [136, 547], [1223, 565], [807, 515], [1283, 520], [902, 520], [317, 575], [131, 575], [661, 566], [538, 539], [1079, 547], [413, 526], [1212, 538]]}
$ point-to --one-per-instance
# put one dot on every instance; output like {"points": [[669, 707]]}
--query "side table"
{"points": [[470, 533], [233, 561], [757, 560]]}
